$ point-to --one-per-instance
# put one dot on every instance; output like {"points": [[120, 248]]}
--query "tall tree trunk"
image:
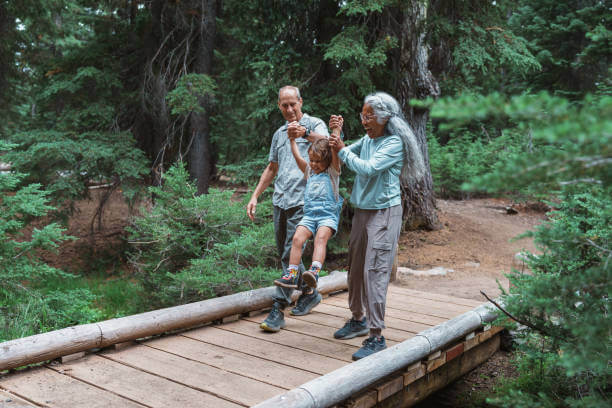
{"points": [[417, 82], [200, 157]]}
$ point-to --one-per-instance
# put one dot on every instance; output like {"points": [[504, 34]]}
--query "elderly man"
{"points": [[288, 198]]}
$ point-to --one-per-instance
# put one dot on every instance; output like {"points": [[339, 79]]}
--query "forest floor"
{"points": [[474, 245]]}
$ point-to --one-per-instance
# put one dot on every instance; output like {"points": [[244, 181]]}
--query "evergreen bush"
{"points": [[188, 247], [25, 307]]}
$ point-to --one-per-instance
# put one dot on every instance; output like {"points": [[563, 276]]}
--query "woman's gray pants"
{"points": [[372, 247]]}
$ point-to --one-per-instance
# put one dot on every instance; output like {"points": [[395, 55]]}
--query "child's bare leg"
{"points": [[311, 276], [320, 243], [290, 278], [302, 234]]}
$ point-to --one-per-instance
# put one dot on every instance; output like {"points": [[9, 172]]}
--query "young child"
{"points": [[322, 206]]}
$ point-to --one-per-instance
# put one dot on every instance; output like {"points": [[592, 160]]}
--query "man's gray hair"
{"points": [[386, 108], [290, 87]]}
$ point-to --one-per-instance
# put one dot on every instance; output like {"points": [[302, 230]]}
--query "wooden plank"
{"points": [[335, 313], [9, 400], [434, 305], [308, 343], [264, 349], [51, 389], [471, 341], [229, 386], [367, 400], [393, 303], [430, 305], [435, 296], [420, 319], [323, 331], [454, 352], [233, 361], [320, 325], [333, 323], [388, 388], [414, 372], [128, 382]]}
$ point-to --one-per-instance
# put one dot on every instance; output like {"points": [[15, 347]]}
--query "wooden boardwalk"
{"points": [[228, 365]]}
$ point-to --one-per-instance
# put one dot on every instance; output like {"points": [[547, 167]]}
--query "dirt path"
{"points": [[475, 243]]}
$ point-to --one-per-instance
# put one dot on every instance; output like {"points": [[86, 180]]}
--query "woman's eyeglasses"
{"points": [[366, 118]]}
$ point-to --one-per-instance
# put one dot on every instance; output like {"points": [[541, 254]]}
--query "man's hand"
{"points": [[251, 208], [295, 130]]}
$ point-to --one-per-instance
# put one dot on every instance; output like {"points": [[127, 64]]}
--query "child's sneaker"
{"points": [[288, 280], [311, 276]]}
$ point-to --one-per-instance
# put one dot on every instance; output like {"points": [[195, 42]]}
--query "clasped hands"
{"points": [[335, 124], [295, 130]]}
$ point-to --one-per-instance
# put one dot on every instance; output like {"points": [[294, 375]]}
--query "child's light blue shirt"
{"points": [[378, 165]]}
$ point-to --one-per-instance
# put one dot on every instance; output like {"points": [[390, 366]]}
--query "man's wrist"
{"points": [[306, 133]]}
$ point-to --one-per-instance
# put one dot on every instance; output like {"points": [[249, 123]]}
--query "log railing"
{"points": [[50, 345], [337, 386]]}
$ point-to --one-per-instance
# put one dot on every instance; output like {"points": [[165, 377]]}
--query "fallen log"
{"points": [[50, 345]]}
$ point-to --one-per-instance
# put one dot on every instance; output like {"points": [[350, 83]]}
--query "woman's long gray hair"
{"points": [[386, 107]]}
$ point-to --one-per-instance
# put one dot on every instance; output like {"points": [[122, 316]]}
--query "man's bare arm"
{"points": [[264, 181]]}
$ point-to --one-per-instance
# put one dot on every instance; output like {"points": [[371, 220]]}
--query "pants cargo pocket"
{"points": [[382, 252]]}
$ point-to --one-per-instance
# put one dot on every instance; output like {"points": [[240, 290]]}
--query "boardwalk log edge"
{"points": [[338, 385], [46, 346]]}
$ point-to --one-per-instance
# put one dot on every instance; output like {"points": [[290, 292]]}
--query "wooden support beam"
{"points": [[50, 345], [414, 372], [446, 374]]}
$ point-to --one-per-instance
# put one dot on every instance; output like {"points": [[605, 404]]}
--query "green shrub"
{"points": [[466, 156], [188, 247], [25, 308]]}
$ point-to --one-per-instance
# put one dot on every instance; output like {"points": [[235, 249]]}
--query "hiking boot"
{"points": [[275, 320], [306, 302], [371, 345], [311, 277], [352, 328], [288, 280]]}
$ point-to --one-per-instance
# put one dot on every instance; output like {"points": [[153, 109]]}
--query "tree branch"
{"points": [[524, 323]]}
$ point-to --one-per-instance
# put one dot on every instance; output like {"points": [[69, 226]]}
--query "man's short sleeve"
{"points": [[273, 156], [321, 128]]}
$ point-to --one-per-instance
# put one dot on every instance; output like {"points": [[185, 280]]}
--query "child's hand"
{"points": [[335, 123]]}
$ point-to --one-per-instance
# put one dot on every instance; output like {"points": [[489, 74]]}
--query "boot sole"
{"points": [[286, 285], [349, 336], [309, 279], [304, 313], [269, 329]]}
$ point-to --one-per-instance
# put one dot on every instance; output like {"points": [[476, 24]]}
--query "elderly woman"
{"points": [[388, 151]]}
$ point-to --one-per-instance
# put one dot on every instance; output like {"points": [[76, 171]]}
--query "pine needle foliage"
{"points": [[564, 300], [25, 307], [188, 247]]}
